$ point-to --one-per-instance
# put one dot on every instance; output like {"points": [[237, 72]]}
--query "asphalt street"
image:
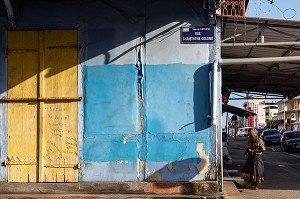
{"points": [[282, 172]]}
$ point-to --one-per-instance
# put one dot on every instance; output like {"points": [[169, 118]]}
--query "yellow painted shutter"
{"points": [[22, 115], [42, 106]]}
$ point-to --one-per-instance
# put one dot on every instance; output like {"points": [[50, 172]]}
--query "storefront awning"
{"points": [[236, 111], [275, 42]]}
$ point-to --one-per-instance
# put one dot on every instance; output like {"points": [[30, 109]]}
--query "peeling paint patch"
{"points": [[119, 161], [203, 166], [125, 138], [140, 100], [122, 161], [147, 172], [139, 167], [170, 166]]}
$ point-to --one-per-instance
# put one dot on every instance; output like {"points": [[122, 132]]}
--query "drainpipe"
{"points": [[214, 120], [10, 14], [214, 94]]}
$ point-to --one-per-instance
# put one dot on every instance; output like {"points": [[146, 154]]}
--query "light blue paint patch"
{"points": [[111, 99], [3, 106], [109, 171], [109, 148], [176, 147], [177, 98], [184, 170]]}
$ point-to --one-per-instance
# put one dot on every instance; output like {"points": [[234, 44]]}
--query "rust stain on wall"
{"points": [[203, 166]]}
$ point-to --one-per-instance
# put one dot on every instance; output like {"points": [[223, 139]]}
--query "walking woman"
{"points": [[253, 169]]}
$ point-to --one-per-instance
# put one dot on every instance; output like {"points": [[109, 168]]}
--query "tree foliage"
{"points": [[270, 124]]}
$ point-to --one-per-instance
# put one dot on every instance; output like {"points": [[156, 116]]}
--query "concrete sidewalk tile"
{"points": [[230, 191]]}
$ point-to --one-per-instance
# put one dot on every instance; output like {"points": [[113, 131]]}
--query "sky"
{"points": [[277, 9]]}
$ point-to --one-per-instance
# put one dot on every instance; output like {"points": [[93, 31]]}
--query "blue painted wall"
{"points": [[147, 98]]}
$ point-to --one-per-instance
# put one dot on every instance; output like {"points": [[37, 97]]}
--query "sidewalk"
{"points": [[230, 190], [235, 188]]}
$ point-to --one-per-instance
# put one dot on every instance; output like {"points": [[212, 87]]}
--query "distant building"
{"points": [[264, 108], [288, 114], [271, 112]]}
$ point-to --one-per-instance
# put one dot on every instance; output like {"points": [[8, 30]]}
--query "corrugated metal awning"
{"points": [[247, 37]]}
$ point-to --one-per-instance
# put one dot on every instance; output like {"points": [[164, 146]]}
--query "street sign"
{"points": [[197, 35]]}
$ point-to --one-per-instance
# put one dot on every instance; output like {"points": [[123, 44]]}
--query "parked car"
{"points": [[290, 141], [243, 132], [271, 136], [281, 131], [260, 130]]}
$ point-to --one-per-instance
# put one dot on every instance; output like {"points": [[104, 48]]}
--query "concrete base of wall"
{"points": [[103, 196], [206, 189]]}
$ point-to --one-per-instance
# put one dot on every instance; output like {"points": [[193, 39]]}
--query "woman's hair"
{"points": [[254, 139], [253, 133]]}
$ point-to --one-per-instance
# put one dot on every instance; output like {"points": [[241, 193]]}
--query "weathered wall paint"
{"points": [[203, 166], [3, 106], [127, 134], [178, 116]]}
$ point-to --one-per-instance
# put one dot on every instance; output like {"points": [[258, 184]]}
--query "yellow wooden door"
{"points": [[42, 106]]}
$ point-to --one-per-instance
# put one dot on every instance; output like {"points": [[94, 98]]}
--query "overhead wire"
{"points": [[288, 13]]}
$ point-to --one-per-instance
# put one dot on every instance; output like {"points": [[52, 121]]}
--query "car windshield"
{"points": [[260, 130], [293, 135], [271, 132]]}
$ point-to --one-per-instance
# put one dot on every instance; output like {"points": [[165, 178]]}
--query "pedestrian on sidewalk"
{"points": [[253, 168]]}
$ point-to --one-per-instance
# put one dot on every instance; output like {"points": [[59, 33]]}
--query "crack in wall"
{"points": [[139, 67]]}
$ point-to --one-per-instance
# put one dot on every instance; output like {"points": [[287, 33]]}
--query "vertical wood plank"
{"points": [[60, 118], [40, 107], [22, 116]]}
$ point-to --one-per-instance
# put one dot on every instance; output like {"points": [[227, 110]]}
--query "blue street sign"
{"points": [[196, 35]]}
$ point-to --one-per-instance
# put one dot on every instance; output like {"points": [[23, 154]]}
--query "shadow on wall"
{"points": [[182, 177], [101, 31], [202, 106], [202, 98]]}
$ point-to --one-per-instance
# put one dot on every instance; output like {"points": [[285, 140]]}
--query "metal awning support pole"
{"points": [[10, 13], [262, 35], [259, 60]]}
